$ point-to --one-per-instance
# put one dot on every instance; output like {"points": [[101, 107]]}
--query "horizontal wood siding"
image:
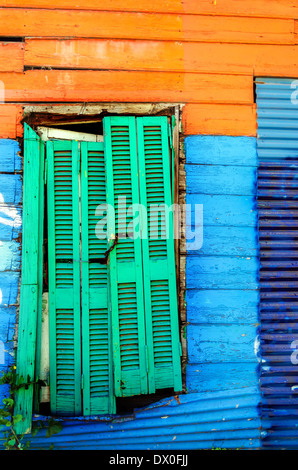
{"points": [[278, 8], [204, 54], [222, 276], [10, 251]]}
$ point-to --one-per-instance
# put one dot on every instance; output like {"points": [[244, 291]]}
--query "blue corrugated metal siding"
{"points": [[10, 226], [277, 145], [228, 419]]}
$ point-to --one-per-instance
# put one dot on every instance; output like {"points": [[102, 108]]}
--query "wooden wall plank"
{"points": [[105, 24], [105, 54], [269, 60], [10, 159], [161, 55], [11, 56], [10, 120], [219, 119], [278, 8], [81, 85]]}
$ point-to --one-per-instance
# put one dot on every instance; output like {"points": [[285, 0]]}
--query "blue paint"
{"points": [[11, 188], [277, 148], [222, 306], [222, 282], [221, 150], [226, 210], [221, 408], [10, 158], [195, 421], [10, 252], [221, 272]]}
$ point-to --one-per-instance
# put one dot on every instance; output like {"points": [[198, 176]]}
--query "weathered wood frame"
{"points": [[55, 114]]}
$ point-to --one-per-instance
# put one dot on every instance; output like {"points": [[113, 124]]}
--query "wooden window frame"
{"points": [[49, 115]]}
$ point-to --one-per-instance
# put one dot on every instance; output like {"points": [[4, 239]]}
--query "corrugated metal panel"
{"points": [[228, 419], [277, 146]]}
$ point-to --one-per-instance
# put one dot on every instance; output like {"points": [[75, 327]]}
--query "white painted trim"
{"points": [[48, 133]]}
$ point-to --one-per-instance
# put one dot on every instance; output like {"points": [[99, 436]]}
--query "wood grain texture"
{"points": [[10, 159], [130, 86], [219, 119], [150, 26], [10, 121], [161, 56], [278, 8], [11, 56]]}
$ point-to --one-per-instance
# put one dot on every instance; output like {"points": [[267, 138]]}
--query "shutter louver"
{"points": [[160, 290], [96, 327], [64, 277], [125, 260]]}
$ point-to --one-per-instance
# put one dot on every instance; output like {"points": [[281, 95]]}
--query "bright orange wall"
{"points": [[204, 53]]}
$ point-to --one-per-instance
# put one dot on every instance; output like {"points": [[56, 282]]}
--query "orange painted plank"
{"points": [[219, 119], [105, 54], [276, 8], [82, 85], [115, 25], [241, 58], [10, 121], [296, 31], [11, 56], [161, 56]]}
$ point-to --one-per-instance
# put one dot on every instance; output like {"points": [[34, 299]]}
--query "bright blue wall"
{"points": [[10, 254], [222, 277]]}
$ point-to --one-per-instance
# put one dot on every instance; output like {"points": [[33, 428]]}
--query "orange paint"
{"points": [[255, 8], [11, 57], [220, 119], [128, 86], [10, 121], [157, 26], [238, 59], [202, 53]]}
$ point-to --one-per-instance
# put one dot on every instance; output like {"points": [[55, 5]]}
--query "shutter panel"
{"points": [[98, 395], [64, 277], [31, 277], [161, 305], [125, 260]]}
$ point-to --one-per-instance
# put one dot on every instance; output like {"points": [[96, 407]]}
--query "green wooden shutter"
{"points": [[31, 276], [160, 289], [64, 276], [125, 260], [98, 395]]}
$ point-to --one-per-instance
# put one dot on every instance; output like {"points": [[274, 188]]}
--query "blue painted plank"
{"points": [[229, 343], [225, 209], [10, 256], [218, 179], [10, 159], [10, 189], [10, 221], [9, 284], [228, 241], [221, 150], [215, 377], [221, 272], [7, 323], [222, 306]]}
